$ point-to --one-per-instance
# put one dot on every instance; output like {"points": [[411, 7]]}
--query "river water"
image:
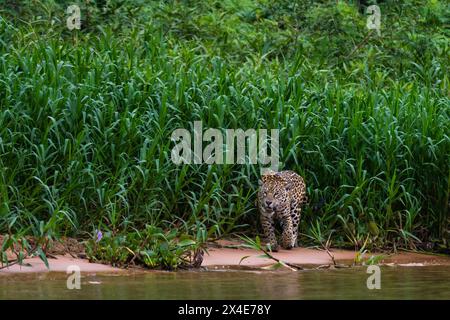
{"points": [[424, 282]]}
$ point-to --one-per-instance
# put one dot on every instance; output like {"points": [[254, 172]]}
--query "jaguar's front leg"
{"points": [[296, 211], [287, 237], [268, 225]]}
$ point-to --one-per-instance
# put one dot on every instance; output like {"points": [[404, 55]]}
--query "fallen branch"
{"points": [[326, 246], [292, 266], [16, 261], [256, 245]]}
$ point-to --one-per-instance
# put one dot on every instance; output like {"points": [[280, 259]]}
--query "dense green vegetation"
{"points": [[86, 118]]}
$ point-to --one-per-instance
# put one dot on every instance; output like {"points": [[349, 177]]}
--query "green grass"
{"points": [[86, 117]]}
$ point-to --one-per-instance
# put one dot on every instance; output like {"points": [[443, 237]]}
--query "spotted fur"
{"points": [[281, 197]]}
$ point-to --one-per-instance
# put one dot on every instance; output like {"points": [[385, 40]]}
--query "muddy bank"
{"points": [[225, 255], [59, 264], [60, 255], [228, 254]]}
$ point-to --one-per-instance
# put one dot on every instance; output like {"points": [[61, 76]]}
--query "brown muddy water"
{"points": [[424, 282]]}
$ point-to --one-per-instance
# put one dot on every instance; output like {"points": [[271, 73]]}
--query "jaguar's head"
{"points": [[274, 191]]}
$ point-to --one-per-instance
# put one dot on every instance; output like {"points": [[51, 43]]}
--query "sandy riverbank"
{"points": [[59, 264], [227, 254]]}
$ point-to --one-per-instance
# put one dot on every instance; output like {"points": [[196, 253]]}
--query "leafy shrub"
{"points": [[151, 247]]}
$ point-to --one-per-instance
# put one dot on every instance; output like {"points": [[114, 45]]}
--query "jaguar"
{"points": [[280, 198]]}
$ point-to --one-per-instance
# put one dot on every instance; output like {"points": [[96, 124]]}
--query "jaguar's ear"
{"points": [[264, 178]]}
